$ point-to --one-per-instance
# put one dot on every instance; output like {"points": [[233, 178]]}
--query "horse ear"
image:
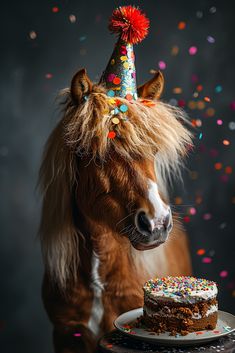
{"points": [[153, 88], [81, 86]]}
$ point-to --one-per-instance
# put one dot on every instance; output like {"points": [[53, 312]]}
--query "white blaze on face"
{"points": [[160, 209]]}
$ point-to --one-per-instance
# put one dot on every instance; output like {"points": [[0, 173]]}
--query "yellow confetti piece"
{"points": [[111, 101], [123, 58], [115, 120], [126, 65]]}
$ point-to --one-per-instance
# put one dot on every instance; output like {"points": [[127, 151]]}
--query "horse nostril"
{"points": [[143, 223], [167, 221]]}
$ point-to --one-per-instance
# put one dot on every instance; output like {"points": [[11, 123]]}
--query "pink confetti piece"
{"points": [[223, 273], [232, 105], [207, 260], [48, 76], [192, 50], [162, 65], [192, 211], [77, 334], [207, 216]]}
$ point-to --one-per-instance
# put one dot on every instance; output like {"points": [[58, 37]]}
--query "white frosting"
{"points": [[178, 293], [166, 311], [211, 310]]}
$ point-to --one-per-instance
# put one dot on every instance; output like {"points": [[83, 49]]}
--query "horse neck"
{"points": [[111, 256]]}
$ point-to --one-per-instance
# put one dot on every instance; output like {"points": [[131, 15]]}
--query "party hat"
{"points": [[119, 76]]}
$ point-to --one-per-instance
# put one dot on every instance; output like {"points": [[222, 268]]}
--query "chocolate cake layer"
{"points": [[176, 325]]}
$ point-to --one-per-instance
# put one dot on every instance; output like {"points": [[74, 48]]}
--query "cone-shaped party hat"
{"points": [[120, 75]]}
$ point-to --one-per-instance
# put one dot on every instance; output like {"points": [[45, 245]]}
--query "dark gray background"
{"points": [[28, 114]]}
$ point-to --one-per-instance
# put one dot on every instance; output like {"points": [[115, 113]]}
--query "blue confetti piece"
{"points": [[111, 93], [123, 108], [218, 89], [200, 136]]}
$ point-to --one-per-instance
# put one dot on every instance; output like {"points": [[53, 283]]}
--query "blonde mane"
{"points": [[152, 132]]}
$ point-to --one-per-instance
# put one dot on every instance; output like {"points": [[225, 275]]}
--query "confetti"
{"points": [[174, 50], [123, 108], [199, 88], [218, 89], [200, 136], [212, 10], [192, 50], [207, 216], [192, 211], [177, 90], [48, 76], [231, 125], [218, 166], [232, 105], [207, 99], [223, 273], [210, 112], [77, 334], [181, 103], [210, 39], [115, 121], [111, 134], [111, 93], [162, 65], [32, 35], [219, 122], [178, 200], [207, 260], [226, 142], [186, 219], [201, 252], [181, 25], [228, 170], [116, 80], [72, 18], [55, 9], [199, 14], [200, 105], [173, 101]]}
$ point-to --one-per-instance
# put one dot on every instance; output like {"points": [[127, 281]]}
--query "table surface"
{"points": [[116, 342]]}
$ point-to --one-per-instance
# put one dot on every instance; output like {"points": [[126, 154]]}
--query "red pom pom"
{"points": [[130, 23]]}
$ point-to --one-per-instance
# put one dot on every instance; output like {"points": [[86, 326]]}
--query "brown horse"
{"points": [[106, 217]]}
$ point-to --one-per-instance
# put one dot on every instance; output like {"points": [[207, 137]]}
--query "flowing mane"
{"points": [[148, 131]]}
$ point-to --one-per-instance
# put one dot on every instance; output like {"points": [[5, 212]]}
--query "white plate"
{"points": [[126, 324]]}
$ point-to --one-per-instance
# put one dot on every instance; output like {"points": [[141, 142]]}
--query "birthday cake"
{"points": [[180, 304]]}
